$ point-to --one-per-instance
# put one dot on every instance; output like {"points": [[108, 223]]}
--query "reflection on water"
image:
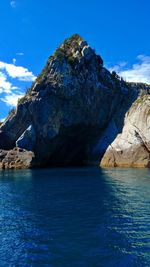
{"points": [[75, 217]]}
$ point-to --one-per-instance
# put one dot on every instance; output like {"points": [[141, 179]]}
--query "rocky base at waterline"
{"points": [[137, 157], [15, 159], [74, 115]]}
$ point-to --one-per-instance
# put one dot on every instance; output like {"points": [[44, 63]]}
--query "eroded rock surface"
{"points": [[71, 114], [16, 159], [131, 148]]}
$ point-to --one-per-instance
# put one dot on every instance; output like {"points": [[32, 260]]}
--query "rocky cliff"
{"points": [[71, 114], [131, 148]]}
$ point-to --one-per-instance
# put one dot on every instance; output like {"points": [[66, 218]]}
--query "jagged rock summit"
{"points": [[70, 115]]}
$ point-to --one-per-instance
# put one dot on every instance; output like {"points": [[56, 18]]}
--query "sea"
{"points": [[75, 217]]}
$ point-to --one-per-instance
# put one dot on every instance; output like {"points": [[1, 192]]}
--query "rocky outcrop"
{"points": [[16, 159], [71, 114], [131, 148], [69, 106]]}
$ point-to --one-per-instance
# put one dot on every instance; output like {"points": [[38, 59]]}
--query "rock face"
{"points": [[27, 139], [72, 113], [131, 148], [15, 159]]}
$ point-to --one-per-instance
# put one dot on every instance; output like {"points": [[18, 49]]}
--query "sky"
{"points": [[31, 31]]}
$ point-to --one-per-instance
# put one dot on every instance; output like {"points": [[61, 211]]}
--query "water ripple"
{"points": [[75, 217]]}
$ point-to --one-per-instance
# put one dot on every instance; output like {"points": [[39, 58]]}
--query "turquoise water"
{"points": [[75, 217]]}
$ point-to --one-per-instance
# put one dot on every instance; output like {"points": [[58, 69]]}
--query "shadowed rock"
{"points": [[72, 113]]}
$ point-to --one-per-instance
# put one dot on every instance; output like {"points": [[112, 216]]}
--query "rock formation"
{"points": [[131, 148], [71, 114], [15, 159]]}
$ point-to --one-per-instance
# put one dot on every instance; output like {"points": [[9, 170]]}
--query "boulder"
{"points": [[16, 159]]}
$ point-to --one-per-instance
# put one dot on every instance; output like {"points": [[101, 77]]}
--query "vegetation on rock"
{"points": [[74, 111]]}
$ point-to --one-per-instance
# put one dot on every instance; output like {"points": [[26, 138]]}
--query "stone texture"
{"points": [[131, 148], [71, 114], [87, 52], [16, 159], [27, 139]]}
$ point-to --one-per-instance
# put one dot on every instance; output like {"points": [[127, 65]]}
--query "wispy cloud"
{"points": [[12, 99], [19, 72], [20, 54], [5, 85], [138, 72], [13, 4], [119, 66], [14, 61]]}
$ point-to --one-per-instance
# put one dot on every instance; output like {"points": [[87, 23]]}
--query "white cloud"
{"points": [[9, 92], [138, 72], [118, 67], [13, 4], [20, 54], [21, 73], [14, 61], [5, 85], [12, 99], [2, 119]]}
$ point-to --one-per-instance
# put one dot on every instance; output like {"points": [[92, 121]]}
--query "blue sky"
{"points": [[31, 30]]}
